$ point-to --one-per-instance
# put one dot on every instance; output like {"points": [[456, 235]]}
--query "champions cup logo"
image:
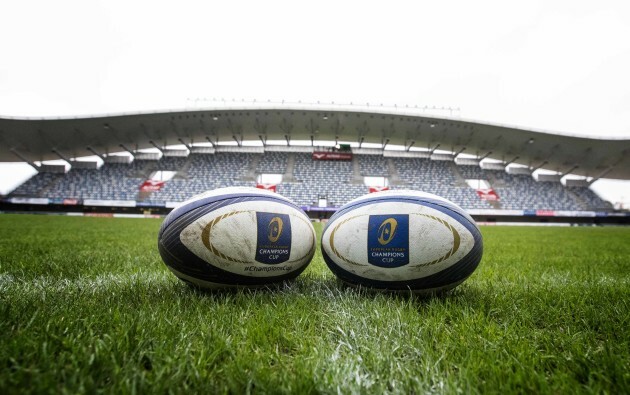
{"points": [[387, 231], [388, 240], [274, 238], [274, 230]]}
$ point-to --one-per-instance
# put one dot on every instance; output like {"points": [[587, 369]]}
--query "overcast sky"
{"points": [[556, 65]]}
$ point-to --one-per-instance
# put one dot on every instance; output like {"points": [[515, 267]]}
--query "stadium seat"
{"points": [[334, 180]]}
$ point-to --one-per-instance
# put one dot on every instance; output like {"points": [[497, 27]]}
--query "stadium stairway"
{"points": [[182, 172], [460, 181], [494, 181], [357, 178], [145, 169], [251, 175], [394, 177], [578, 199], [51, 184], [288, 175]]}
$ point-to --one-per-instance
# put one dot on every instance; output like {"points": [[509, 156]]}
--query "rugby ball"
{"points": [[402, 240], [236, 237]]}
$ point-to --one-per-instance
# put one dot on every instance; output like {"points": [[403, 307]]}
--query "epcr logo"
{"points": [[274, 230], [387, 230]]}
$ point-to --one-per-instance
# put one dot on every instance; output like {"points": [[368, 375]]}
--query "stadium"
{"points": [[88, 305], [485, 168], [245, 197]]}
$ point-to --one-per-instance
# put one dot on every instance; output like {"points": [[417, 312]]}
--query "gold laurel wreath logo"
{"points": [[453, 250], [205, 237], [274, 229], [387, 230]]}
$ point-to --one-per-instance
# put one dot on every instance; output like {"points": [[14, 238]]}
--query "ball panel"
{"points": [[436, 241], [444, 280], [236, 238], [190, 266], [448, 277]]}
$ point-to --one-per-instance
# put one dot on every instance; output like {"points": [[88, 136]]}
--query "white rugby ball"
{"points": [[402, 240], [236, 237]]}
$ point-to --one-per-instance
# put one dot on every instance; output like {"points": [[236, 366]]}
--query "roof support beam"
{"points": [[410, 145], [288, 139], [312, 141], [92, 150], [145, 130], [62, 157], [210, 141], [385, 143], [485, 156], [264, 139], [459, 152], [238, 142], [539, 166], [260, 127], [512, 161], [156, 146], [569, 171], [128, 150], [286, 126], [361, 141], [434, 148], [600, 175], [185, 145], [23, 158], [312, 127], [610, 168]]}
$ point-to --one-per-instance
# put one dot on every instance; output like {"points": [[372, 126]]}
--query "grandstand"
{"points": [[318, 185], [311, 179]]}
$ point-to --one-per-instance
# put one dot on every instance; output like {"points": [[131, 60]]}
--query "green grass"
{"points": [[86, 305]]}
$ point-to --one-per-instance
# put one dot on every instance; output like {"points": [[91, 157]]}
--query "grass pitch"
{"points": [[86, 305]]}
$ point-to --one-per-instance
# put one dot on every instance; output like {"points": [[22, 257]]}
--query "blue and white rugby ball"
{"points": [[236, 237], [402, 240]]}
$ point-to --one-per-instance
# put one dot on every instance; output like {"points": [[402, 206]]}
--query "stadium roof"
{"points": [[39, 139]]}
